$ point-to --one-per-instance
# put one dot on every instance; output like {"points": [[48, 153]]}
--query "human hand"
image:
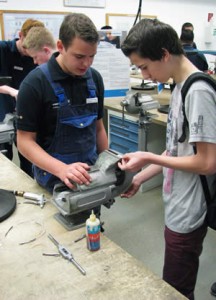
{"points": [[133, 161], [75, 173], [14, 92], [132, 190], [5, 89]]}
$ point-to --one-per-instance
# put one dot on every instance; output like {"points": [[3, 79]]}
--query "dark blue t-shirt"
{"points": [[12, 64], [197, 58]]}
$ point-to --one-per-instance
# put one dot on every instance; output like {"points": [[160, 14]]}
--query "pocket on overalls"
{"points": [[42, 177], [80, 121]]}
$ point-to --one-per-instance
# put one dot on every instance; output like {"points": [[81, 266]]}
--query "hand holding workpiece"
{"points": [[75, 173], [134, 161]]}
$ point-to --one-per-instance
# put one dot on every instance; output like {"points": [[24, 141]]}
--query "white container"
{"points": [[93, 232]]}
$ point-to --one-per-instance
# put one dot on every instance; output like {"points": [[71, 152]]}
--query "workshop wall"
{"points": [[174, 12]]}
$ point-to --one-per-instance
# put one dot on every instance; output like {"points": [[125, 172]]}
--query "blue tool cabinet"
{"points": [[123, 135]]}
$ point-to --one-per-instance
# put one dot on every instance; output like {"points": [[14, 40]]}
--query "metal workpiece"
{"points": [[108, 182]]}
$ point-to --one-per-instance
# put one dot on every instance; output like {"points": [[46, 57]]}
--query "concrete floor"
{"points": [[137, 225]]}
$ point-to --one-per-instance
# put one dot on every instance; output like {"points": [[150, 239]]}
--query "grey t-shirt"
{"points": [[185, 205]]}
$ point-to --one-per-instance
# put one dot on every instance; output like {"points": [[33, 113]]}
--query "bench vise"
{"points": [[108, 182]]}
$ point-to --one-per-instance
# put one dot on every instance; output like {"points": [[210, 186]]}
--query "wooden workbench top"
{"points": [[26, 274]]}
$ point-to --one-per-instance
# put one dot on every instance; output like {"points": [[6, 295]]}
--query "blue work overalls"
{"points": [[75, 135]]}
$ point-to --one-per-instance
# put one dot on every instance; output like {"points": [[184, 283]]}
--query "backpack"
{"points": [[191, 79], [210, 201]]}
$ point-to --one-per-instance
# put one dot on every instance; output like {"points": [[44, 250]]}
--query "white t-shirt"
{"points": [[185, 205]]}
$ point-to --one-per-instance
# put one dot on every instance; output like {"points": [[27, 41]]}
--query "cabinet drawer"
{"points": [[127, 124], [122, 145], [124, 132]]}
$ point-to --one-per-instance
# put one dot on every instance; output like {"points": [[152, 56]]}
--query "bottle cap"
{"points": [[92, 217]]}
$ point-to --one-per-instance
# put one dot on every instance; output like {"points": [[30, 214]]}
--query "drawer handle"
{"points": [[121, 133], [122, 126], [126, 148]]}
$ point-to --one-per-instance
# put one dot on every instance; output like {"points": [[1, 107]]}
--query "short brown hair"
{"points": [[77, 25], [28, 24], [39, 37]]}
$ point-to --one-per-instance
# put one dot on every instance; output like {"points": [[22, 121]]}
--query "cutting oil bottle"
{"points": [[93, 232]]}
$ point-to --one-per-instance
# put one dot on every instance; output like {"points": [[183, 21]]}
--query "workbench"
{"points": [[111, 273]]}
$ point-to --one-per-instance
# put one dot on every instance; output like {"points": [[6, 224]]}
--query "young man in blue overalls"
{"points": [[60, 109]]}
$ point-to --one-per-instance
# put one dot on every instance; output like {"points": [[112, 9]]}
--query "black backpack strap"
{"points": [[189, 81], [206, 189], [204, 183]]}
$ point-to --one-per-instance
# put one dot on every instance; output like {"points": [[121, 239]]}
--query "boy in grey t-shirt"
{"points": [[155, 48]]}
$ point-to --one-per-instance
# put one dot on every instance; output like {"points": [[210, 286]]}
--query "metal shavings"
{"points": [[51, 254], [41, 232], [80, 238], [8, 231]]}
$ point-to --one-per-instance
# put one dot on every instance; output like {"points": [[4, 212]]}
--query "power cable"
{"points": [[138, 15]]}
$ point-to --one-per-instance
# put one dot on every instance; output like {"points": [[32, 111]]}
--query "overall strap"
{"points": [[90, 84], [57, 88]]}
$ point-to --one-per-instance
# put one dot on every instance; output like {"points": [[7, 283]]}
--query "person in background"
{"points": [[60, 109], [189, 26], [193, 54], [40, 44], [15, 62], [109, 37], [155, 48]]}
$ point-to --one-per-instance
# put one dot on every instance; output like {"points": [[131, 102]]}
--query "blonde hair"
{"points": [[38, 37], [28, 24]]}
